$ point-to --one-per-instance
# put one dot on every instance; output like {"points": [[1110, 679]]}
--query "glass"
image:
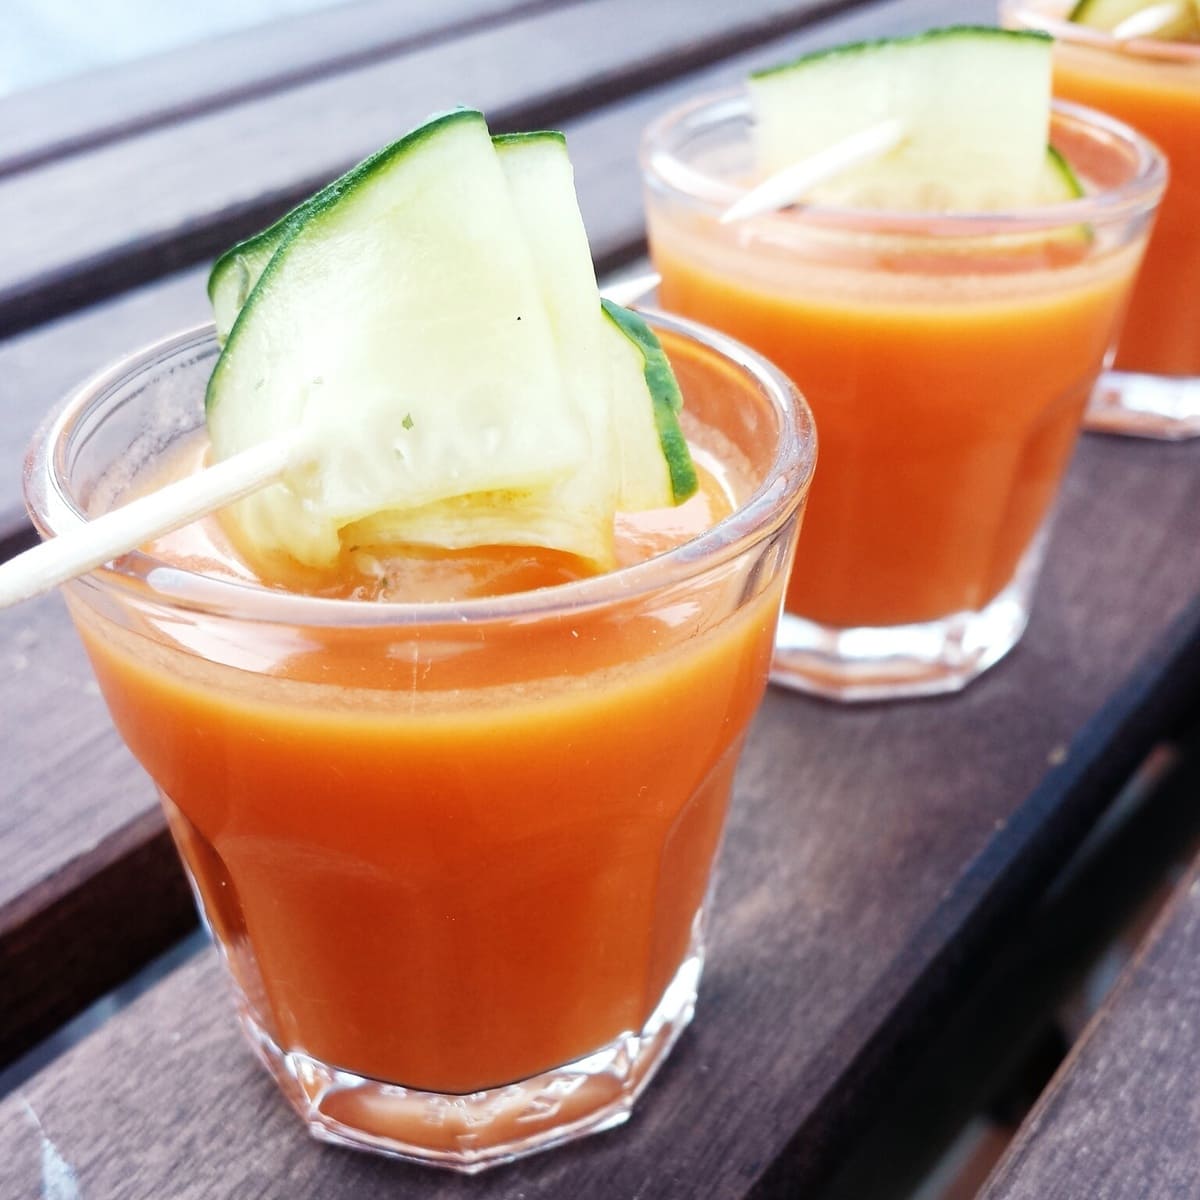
{"points": [[947, 360], [1154, 388], [454, 856]]}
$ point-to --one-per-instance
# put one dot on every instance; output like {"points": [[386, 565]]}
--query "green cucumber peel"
{"points": [[533, 135], [1064, 173], [868, 45], [666, 396], [282, 233], [236, 273]]}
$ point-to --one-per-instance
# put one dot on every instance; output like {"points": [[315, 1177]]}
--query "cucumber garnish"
{"points": [[1108, 15], [431, 322], [974, 102], [656, 466]]}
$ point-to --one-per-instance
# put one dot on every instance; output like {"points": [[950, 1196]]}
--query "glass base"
{"points": [[469, 1133], [898, 662], [1152, 406]]}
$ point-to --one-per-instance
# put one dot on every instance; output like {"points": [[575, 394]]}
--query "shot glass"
{"points": [[454, 856], [947, 359], [1153, 388]]}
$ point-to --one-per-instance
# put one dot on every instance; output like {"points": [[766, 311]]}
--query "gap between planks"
{"points": [[204, 182]]}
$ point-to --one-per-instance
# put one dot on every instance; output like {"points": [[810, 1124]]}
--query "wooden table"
{"points": [[1121, 1120], [876, 856]]}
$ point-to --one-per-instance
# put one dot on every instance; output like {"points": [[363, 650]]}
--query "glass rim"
{"points": [[711, 195], [149, 578], [1033, 15]]}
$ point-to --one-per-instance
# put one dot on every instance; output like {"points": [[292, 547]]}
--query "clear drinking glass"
{"points": [[454, 855], [947, 360], [1154, 387]]}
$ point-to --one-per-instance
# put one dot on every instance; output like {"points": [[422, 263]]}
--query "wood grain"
{"points": [[45, 123], [78, 825], [102, 221], [51, 972], [48, 905], [1121, 1119], [874, 856], [50, 917], [38, 367], [41, 366]]}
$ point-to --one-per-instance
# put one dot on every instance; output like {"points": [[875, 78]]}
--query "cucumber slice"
{"points": [[401, 327], [975, 103], [431, 319], [1059, 181], [235, 273], [656, 465], [615, 370], [575, 512], [632, 414], [1106, 15], [542, 186]]}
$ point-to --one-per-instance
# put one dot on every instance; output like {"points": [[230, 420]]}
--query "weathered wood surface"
{"points": [[872, 856], [41, 366], [101, 221], [89, 890], [38, 367], [1121, 1121], [43, 123], [49, 905]]}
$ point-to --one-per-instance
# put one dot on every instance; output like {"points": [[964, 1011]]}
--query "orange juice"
{"points": [[454, 851], [948, 361], [423, 881], [1162, 330], [421, 889], [1156, 89], [925, 385]]}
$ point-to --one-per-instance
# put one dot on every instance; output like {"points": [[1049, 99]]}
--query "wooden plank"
{"points": [[874, 856], [44, 123], [1004, 1040], [60, 896], [78, 823], [38, 367], [864, 1005], [96, 223], [1120, 1121], [56, 855]]}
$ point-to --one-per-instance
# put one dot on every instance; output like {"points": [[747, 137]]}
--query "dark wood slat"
{"points": [[41, 366], [874, 855], [62, 118], [100, 222], [1003, 1042], [78, 824], [606, 141], [859, 1013], [1121, 1119], [154, 306], [51, 973], [57, 858], [38, 367]]}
